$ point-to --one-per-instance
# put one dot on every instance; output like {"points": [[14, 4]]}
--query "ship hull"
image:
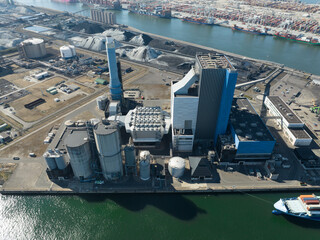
{"points": [[149, 14], [248, 31], [296, 40], [280, 207], [197, 22]]}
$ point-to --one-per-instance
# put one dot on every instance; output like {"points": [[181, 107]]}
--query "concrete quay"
{"points": [[30, 178]]}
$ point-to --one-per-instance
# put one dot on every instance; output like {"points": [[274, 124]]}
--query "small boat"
{"points": [[304, 206]]}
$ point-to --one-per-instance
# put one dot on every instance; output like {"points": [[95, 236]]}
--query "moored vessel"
{"points": [[304, 206], [301, 39], [252, 30]]}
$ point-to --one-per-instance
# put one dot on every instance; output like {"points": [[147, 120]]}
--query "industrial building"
{"points": [[201, 102], [252, 138], [290, 123], [103, 16], [32, 48], [147, 125]]}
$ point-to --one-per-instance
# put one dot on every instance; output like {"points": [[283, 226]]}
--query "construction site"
{"points": [[123, 111]]}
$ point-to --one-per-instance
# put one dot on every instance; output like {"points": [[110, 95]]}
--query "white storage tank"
{"points": [[144, 165], [33, 48], [78, 148], [50, 161], [107, 138], [176, 167], [67, 52], [102, 102], [60, 160]]}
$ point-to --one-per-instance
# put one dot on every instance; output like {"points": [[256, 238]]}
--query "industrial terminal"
{"points": [[108, 116]]}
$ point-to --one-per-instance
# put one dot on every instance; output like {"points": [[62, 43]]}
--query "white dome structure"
{"points": [[68, 51]]}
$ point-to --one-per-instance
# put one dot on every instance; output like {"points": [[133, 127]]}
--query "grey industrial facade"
{"points": [[217, 79]]}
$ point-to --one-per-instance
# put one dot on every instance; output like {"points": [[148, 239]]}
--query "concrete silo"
{"points": [[144, 165], [78, 147], [107, 138]]}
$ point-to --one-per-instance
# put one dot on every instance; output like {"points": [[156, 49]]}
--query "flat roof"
{"points": [[299, 133], [76, 137], [284, 109], [103, 129], [214, 61], [247, 123]]}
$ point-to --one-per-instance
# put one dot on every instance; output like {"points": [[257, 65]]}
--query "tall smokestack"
{"points": [[115, 85]]}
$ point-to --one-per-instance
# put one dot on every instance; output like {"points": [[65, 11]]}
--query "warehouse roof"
{"points": [[247, 123], [300, 133], [284, 109]]}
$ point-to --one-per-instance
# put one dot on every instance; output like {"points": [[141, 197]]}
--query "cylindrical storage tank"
{"points": [[130, 155], [107, 138], [34, 48], [144, 165], [78, 148], [73, 50], [60, 160], [69, 123], [176, 167], [66, 52], [50, 161]]}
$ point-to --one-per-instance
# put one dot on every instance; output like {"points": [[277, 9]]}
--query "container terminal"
{"points": [[83, 119]]}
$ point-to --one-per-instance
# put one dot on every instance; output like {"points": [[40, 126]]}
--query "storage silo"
{"points": [[144, 165], [73, 50], [107, 138], [67, 52], [60, 160], [79, 152], [50, 161], [102, 102], [33, 48], [176, 167]]}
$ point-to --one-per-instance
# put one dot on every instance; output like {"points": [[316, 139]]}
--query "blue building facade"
{"points": [[251, 136], [226, 102], [115, 85]]}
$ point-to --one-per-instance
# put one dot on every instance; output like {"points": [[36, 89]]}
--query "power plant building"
{"points": [[201, 102], [103, 16], [291, 124], [251, 136], [217, 81], [115, 84], [147, 124]]}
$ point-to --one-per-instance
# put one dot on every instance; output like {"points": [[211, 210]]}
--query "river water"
{"points": [[300, 56], [218, 216]]}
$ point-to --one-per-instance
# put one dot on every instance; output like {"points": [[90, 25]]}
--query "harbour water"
{"points": [[300, 56], [221, 216], [217, 216]]}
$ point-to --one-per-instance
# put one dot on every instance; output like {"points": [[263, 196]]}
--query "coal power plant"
{"points": [[146, 145]]}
